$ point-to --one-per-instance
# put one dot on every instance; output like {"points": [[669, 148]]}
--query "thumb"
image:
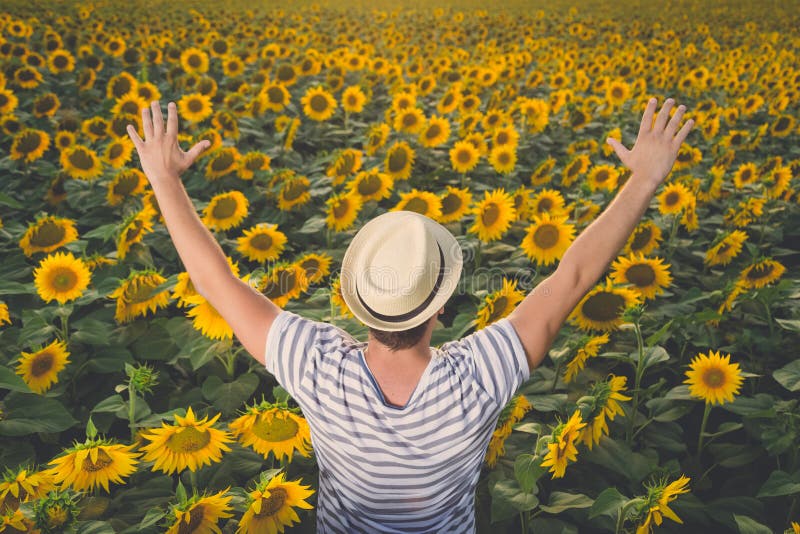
{"points": [[619, 148], [193, 153]]}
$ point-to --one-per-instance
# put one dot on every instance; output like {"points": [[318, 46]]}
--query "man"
{"points": [[400, 429]]}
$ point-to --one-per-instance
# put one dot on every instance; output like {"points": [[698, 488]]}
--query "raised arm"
{"points": [[248, 312], [539, 317]]}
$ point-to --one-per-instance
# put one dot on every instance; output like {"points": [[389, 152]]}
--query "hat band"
{"points": [[410, 314]]}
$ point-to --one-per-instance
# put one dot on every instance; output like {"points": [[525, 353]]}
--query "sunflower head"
{"points": [[713, 378]]}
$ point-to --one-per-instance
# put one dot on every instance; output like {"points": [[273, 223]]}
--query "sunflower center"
{"points": [[502, 138], [545, 204], [125, 184], [64, 279], [318, 103], [56, 517], [409, 120], [195, 105], [463, 156], [641, 238], [272, 504], [29, 142], [617, 93], [115, 151], [418, 205], [224, 208], [397, 160], [222, 162], [311, 267], [134, 231], [275, 95], [782, 124], [141, 292], [275, 429], [641, 275], [672, 198], [369, 185], [603, 306], [285, 283], [194, 61], [713, 378], [48, 234], [340, 208], [261, 242], [723, 249], [82, 160], [434, 130], [490, 214], [601, 176], [294, 190], [196, 515], [286, 73], [103, 461], [450, 204], [760, 271], [42, 364], [498, 308], [504, 158], [546, 236], [188, 440]]}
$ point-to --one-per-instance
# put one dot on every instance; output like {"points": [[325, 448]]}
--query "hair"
{"points": [[402, 339]]}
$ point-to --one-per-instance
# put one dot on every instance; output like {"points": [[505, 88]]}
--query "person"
{"points": [[400, 429]]}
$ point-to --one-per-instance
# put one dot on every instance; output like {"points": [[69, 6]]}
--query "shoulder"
{"points": [[306, 331]]}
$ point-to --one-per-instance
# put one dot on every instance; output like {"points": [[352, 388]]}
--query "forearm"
{"points": [[593, 250], [201, 254]]}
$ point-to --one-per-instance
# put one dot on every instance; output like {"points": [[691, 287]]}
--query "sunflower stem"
{"points": [[622, 513], [132, 409], [672, 232], [478, 254], [523, 517], [193, 481], [64, 326], [637, 380], [706, 411], [769, 317], [555, 376]]}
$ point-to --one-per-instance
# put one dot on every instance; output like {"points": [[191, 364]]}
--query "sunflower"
{"points": [[125, 184], [201, 513], [713, 378], [503, 158], [271, 505], [603, 177], [207, 320], [252, 162], [424, 202], [316, 266], [92, 464], [81, 162], [276, 96], [225, 210], [189, 443], [761, 273], [673, 198], [195, 107], [337, 299], [605, 406], [588, 349], [8, 101], [261, 242], [273, 429], [45, 105], [399, 160], [5, 317], [348, 162], [95, 128], [27, 77], [283, 283], [130, 104], [455, 204], [295, 191], [39, 369], [376, 138], [602, 307], [371, 185], [782, 126], [137, 295], [542, 173], [464, 156], [512, 413], [29, 144], [645, 238], [493, 215], [617, 92], [436, 132], [499, 304], [185, 292], [133, 232], [657, 503], [548, 201], [547, 238], [194, 60], [353, 99], [222, 161], [118, 152], [48, 234], [61, 277], [727, 248], [648, 276], [561, 449], [19, 486], [688, 156], [410, 120], [746, 174], [505, 136], [318, 104]]}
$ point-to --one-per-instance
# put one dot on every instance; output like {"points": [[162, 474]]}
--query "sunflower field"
{"points": [[668, 402]]}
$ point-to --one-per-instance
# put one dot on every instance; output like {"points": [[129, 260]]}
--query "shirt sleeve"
{"points": [[291, 350], [494, 359]]}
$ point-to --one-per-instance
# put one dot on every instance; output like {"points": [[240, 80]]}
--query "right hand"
{"points": [[159, 153]]}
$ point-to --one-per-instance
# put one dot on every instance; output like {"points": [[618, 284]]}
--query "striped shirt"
{"points": [[391, 469]]}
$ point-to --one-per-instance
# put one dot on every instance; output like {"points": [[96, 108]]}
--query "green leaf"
{"points": [[607, 503], [780, 483], [789, 324], [527, 471], [560, 501], [10, 202], [550, 525], [114, 404], [95, 527], [789, 375], [618, 457], [761, 405], [548, 403], [91, 332], [656, 336], [748, 525], [508, 500], [227, 397], [731, 455], [151, 518], [30, 414], [652, 356], [280, 394], [12, 381], [313, 225]]}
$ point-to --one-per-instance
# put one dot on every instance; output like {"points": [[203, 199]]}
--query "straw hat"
{"points": [[400, 268]]}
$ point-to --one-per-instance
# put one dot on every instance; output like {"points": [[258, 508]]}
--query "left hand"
{"points": [[657, 144]]}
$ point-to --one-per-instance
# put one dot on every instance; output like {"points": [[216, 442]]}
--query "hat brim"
{"points": [[453, 261]]}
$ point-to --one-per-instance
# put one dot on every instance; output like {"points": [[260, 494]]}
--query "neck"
{"points": [[419, 353]]}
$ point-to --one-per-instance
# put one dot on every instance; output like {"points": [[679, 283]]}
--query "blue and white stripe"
{"points": [[391, 469]]}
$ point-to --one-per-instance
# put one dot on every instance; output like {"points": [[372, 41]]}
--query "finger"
{"points": [[672, 126], [196, 150], [683, 132], [663, 115], [619, 148], [158, 119], [147, 124], [172, 121], [647, 118], [134, 135]]}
